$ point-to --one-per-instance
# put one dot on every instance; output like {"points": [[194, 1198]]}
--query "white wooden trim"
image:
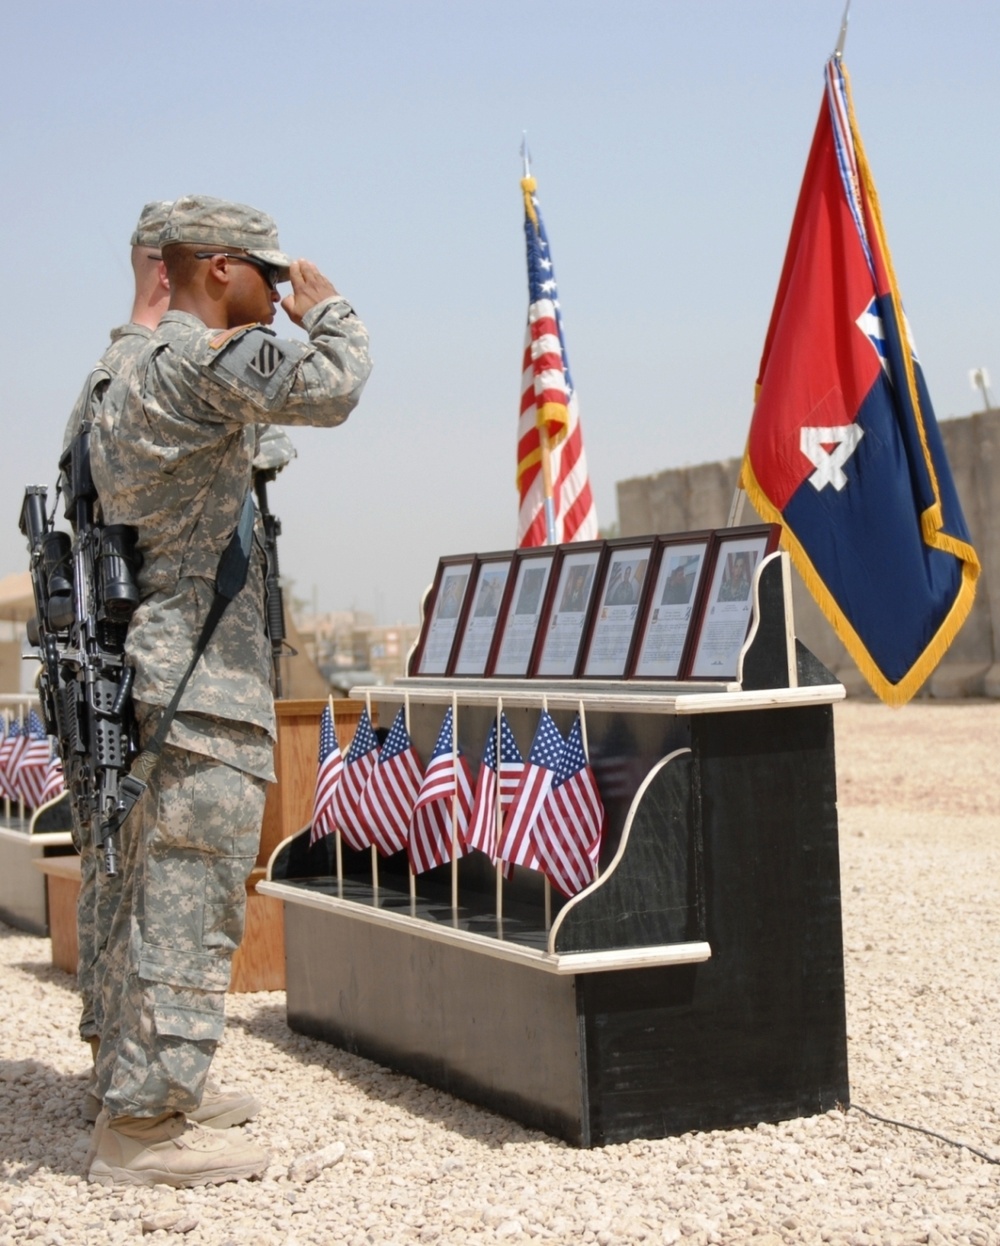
{"points": [[613, 865], [638, 697], [44, 839], [567, 963]]}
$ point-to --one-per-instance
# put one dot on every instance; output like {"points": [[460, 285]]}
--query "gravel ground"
{"points": [[363, 1156]]}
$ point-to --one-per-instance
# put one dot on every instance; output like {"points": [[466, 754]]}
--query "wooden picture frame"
{"points": [[568, 610], [726, 605], [618, 606], [676, 575], [443, 614], [528, 588], [486, 599]]}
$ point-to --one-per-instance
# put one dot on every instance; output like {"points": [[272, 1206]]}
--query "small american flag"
{"points": [[517, 839], [482, 831], [571, 821], [331, 766], [55, 780], [548, 400], [392, 791], [359, 763], [431, 828], [10, 751], [28, 776]]}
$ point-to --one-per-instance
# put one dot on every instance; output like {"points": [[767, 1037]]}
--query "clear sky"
{"points": [[668, 138]]}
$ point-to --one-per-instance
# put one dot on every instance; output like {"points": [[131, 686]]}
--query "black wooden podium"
{"points": [[698, 984]]}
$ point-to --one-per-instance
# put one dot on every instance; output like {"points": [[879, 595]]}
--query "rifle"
{"points": [[273, 599], [85, 595]]}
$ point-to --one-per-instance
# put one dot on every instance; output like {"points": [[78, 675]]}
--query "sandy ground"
{"points": [[920, 838]]}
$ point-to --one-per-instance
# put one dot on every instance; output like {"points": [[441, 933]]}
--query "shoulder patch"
{"points": [[255, 363]]}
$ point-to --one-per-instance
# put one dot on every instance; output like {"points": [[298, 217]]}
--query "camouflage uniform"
{"points": [[98, 894], [172, 455]]}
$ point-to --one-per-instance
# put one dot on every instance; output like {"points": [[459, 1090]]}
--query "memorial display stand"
{"points": [[697, 984]]}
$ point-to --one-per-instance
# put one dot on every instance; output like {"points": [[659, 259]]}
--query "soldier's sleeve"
{"points": [[87, 405], [260, 378]]}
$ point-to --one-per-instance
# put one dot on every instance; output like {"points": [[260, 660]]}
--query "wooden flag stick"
{"points": [[454, 807], [586, 753], [548, 884], [336, 830], [374, 850], [413, 877], [498, 804]]}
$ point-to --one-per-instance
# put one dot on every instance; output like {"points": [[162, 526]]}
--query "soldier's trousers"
{"points": [[189, 847], [95, 909]]}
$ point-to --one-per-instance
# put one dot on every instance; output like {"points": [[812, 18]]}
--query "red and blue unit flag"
{"points": [[844, 450], [549, 404]]}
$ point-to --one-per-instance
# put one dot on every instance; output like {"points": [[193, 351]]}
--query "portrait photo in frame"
{"points": [[678, 571], [619, 605], [726, 607], [443, 614], [514, 643], [486, 601], [569, 609]]}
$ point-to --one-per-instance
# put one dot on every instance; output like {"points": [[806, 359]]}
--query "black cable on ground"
{"points": [[886, 1120]]}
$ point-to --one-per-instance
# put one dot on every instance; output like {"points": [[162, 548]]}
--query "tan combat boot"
{"points": [[221, 1108], [168, 1150]]}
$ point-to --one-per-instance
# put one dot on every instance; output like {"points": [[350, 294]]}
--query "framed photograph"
{"points": [[515, 642], [727, 605], [442, 615], [486, 597], [620, 595], [678, 571], [568, 609]]}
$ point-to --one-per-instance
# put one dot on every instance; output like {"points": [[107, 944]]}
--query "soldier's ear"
{"points": [[161, 275]]}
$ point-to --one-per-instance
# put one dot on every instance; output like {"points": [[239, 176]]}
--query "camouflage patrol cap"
{"points": [[152, 218], [218, 223]]}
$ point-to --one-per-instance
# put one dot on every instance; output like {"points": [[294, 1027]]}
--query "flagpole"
{"points": [[498, 806], [586, 753], [548, 884], [336, 829], [527, 186], [413, 877], [454, 808], [374, 850], [839, 50]]}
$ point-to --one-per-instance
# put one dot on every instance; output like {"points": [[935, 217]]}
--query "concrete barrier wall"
{"points": [[687, 498]]}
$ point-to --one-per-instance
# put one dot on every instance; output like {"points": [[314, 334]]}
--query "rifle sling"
{"points": [[230, 578]]}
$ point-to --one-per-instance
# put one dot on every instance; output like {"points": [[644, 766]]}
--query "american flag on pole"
{"points": [[392, 791], [548, 401], [447, 774], [28, 777], [517, 838], [331, 766], [571, 821], [482, 830], [10, 751], [359, 763]]}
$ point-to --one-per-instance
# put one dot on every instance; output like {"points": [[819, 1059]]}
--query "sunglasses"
{"points": [[269, 272]]}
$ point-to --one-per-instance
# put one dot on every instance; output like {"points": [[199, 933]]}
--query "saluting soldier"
{"points": [[172, 455]]}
